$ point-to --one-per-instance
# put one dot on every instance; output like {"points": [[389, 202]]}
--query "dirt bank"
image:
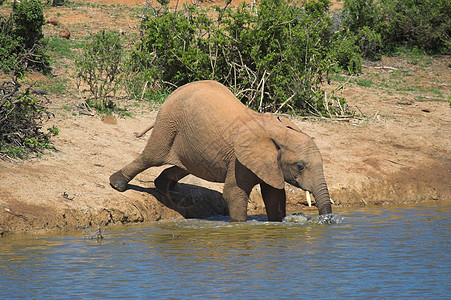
{"points": [[397, 152]]}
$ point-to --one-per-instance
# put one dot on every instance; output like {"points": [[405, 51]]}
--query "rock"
{"points": [[109, 119], [64, 33], [53, 20]]}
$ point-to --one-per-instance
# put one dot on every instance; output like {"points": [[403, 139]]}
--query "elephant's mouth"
{"points": [[307, 193], [309, 199]]}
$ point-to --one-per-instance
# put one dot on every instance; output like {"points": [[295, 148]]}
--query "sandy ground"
{"points": [[397, 153]]}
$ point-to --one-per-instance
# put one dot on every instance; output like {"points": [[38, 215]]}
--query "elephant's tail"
{"points": [[138, 135]]}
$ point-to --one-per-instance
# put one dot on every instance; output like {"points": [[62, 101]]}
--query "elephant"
{"points": [[204, 130]]}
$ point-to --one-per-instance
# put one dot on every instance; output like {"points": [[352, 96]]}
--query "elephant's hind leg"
{"points": [[168, 178], [154, 154], [120, 179]]}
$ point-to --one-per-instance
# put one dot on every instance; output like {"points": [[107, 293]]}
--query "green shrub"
{"points": [[21, 113], [99, 66], [9, 45], [21, 38], [274, 59], [386, 25], [28, 17], [424, 24]]}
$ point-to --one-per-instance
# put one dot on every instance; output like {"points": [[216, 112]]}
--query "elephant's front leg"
{"points": [[237, 187], [236, 199], [275, 202]]}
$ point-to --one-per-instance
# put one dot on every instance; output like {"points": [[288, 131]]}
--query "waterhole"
{"points": [[360, 253]]}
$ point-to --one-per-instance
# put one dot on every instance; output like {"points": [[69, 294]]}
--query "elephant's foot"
{"points": [[118, 181]]}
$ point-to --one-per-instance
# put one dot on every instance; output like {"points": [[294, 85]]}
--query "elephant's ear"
{"points": [[255, 149], [287, 123]]}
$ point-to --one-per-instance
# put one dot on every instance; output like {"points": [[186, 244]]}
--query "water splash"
{"points": [[320, 220], [296, 218], [327, 219]]}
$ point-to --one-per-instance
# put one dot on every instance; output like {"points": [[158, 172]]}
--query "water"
{"points": [[366, 253]]}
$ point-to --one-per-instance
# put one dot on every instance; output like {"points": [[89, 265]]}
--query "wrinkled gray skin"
{"points": [[204, 130]]}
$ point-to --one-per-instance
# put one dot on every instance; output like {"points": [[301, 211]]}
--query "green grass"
{"points": [[66, 107], [400, 74], [337, 77], [431, 90], [57, 86], [399, 82], [75, 5], [384, 83], [414, 56], [62, 48], [53, 84], [365, 82], [12, 151]]}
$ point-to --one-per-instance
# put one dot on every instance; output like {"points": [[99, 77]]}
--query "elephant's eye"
{"points": [[300, 167]]}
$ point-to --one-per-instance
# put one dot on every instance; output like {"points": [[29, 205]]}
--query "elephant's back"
{"points": [[207, 102], [203, 93]]}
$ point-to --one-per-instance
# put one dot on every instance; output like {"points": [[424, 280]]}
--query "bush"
{"points": [[22, 113], [28, 17], [393, 23], [274, 58], [423, 24], [99, 66], [21, 118], [21, 44], [9, 45]]}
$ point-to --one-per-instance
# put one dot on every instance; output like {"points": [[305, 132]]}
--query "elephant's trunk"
{"points": [[322, 198]]}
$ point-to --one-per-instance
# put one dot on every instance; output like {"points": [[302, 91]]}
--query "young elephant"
{"points": [[204, 130]]}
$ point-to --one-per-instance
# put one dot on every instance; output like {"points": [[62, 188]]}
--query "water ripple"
{"points": [[362, 253]]}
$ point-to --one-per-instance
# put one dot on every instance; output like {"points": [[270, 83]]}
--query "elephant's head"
{"points": [[278, 153]]}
